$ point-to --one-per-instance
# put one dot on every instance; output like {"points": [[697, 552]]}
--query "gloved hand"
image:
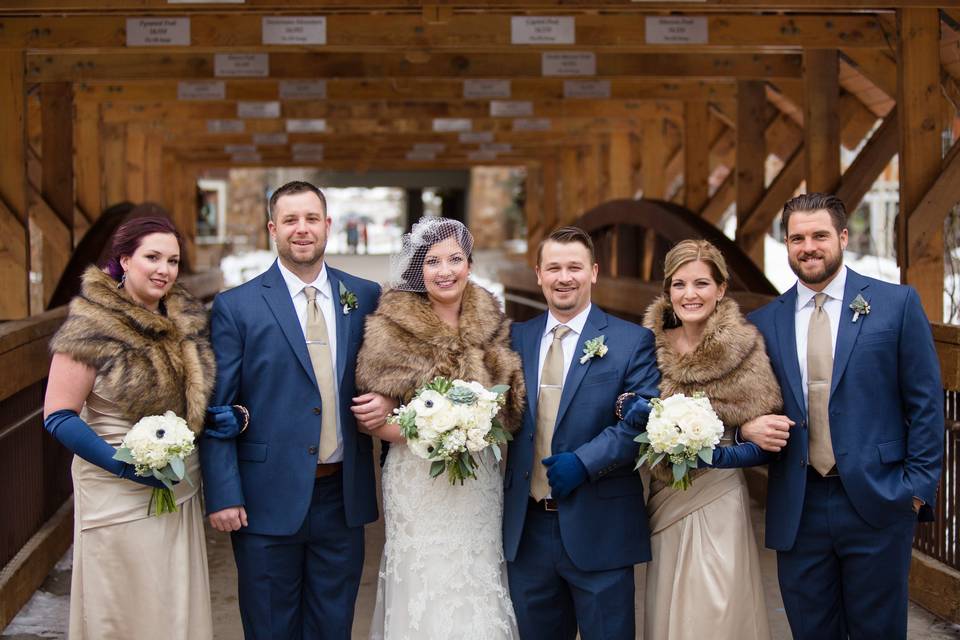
{"points": [[565, 472], [75, 434], [224, 422], [638, 412]]}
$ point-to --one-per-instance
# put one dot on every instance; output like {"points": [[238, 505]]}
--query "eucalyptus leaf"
{"points": [[176, 464], [500, 388], [123, 454], [679, 471], [436, 468], [706, 455]]}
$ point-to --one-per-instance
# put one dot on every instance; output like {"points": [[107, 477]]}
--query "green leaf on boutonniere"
{"points": [[860, 307], [348, 299]]}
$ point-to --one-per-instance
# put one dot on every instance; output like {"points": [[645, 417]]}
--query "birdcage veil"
{"points": [[406, 267]]}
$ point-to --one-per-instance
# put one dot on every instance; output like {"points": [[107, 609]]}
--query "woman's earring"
{"points": [[676, 320], [123, 280]]}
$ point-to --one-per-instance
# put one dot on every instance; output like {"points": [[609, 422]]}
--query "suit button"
{"points": [[312, 451], [526, 474], [531, 436], [317, 411], [803, 463]]}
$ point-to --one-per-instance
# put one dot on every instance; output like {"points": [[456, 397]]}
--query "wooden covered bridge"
{"points": [[699, 107]]}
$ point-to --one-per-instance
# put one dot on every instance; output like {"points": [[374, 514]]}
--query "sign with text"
{"points": [[306, 125], [294, 30], [225, 126], [236, 149], [241, 65], [246, 158], [531, 124], [542, 30], [442, 125], [421, 155], [303, 89], [258, 109], [201, 90], [481, 156], [676, 30], [586, 88], [480, 88], [476, 137], [510, 109], [569, 63], [270, 138], [158, 32]]}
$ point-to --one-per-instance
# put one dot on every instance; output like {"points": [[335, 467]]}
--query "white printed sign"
{"points": [[542, 30], [452, 124], [531, 124], [241, 65], [237, 149], [480, 88], [476, 137], [257, 109], [569, 63], [201, 90], [481, 156], [269, 138], [308, 125], [510, 109], [586, 88], [158, 32], [225, 126], [429, 147], [246, 158], [294, 30], [676, 30], [303, 89]]}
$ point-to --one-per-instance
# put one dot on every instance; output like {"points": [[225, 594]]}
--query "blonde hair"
{"points": [[687, 251]]}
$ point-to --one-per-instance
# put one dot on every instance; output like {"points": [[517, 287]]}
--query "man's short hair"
{"points": [[814, 202], [292, 189], [566, 235]]}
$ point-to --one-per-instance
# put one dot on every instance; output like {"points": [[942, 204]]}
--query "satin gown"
{"points": [[135, 576]]}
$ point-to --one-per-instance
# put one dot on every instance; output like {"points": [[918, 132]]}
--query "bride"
{"points": [[442, 574]]}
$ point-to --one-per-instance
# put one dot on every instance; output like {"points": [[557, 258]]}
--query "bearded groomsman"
{"points": [[574, 517], [861, 381]]}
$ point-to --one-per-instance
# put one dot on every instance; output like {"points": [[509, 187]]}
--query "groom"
{"points": [[861, 381], [574, 521], [293, 480]]}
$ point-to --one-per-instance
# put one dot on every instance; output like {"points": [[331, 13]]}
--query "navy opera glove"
{"points": [[734, 457], [75, 434], [565, 472], [225, 422], [638, 411]]}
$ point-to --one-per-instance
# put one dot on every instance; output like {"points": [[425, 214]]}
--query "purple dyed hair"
{"points": [[128, 236]]}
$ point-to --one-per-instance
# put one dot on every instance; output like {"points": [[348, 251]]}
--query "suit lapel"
{"points": [[530, 346], [344, 320], [849, 330], [278, 300], [786, 328], [596, 322]]}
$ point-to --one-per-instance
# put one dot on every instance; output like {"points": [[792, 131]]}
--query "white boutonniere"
{"points": [[348, 299], [860, 307], [594, 347]]}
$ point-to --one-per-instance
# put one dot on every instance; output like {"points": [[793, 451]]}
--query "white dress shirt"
{"points": [[326, 303], [569, 342], [805, 306]]}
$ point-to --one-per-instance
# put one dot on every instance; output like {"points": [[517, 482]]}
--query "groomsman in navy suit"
{"points": [[296, 484], [861, 383], [574, 517]]}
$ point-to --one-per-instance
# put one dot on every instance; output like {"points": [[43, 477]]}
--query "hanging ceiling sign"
{"points": [[303, 89], [295, 30], [421, 155], [497, 147], [542, 30], [201, 90], [306, 125], [246, 158], [241, 65], [481, 156], [237, 149], [307, 148], [158, 32], [257, 109], [225, 126], [481, 88], [510, 109], [569, 63], [269, 138], [452, 124], [676, 30], [531, 124], [586, 88]]}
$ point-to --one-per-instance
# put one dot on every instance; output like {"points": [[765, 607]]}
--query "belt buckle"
{"points": [[549, 504]]}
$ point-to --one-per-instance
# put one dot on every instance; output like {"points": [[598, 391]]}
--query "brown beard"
{"points": [[830, 268]]}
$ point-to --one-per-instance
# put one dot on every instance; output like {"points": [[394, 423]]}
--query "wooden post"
{"points": [[653, 168], [918, 102], [87, 163], [550, 182], [56, 103], [184, 212], [696, 155], [590, 176], [114, 164], [533, 206], [821, 82], [570, 179], [153, 174], [134, 147], [14, 242], [621, 165], [751, 160]]}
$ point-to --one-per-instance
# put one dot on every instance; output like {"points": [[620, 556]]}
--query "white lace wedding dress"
{"points": [[442, 575]]}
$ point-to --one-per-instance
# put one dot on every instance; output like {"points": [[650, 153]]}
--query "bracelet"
{"points": [[246, 416], [620, 400]]}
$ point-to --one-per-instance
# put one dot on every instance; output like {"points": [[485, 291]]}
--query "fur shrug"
{"points": [[147, 363], [729, 365], [406, 345]]}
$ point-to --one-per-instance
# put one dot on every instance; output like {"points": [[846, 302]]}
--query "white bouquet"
{"points": [[157, 446], [448, 421], [680, 429]]}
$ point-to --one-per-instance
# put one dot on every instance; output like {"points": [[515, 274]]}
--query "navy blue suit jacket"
{"points": [[603, 523], [263, 364], [886, 408]]}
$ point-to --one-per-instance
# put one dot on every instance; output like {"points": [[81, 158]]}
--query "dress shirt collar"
{"points": [[576, 323], [834, 289], [295, 285]]}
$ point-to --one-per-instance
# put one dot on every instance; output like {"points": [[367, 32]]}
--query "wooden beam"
{"points": [[571, 206], [877, 67], [918, 94], [551, 183], [14, 244], [822, 127], [153, 173], [533, 203], [56, 101], [696, 155], [621, 182], [113, 139], [780, 190], [87, 163], [590, 175], [184, 212], [52, 244], [135, 143], [751, 161], [869, 163]]}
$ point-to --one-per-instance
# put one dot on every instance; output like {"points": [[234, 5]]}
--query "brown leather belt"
{"points": [[547, 504], [324, 470]]}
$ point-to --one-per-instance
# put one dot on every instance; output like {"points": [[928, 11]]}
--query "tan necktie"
{"points": [[548, 403], [819, 374], [318, 344]]}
